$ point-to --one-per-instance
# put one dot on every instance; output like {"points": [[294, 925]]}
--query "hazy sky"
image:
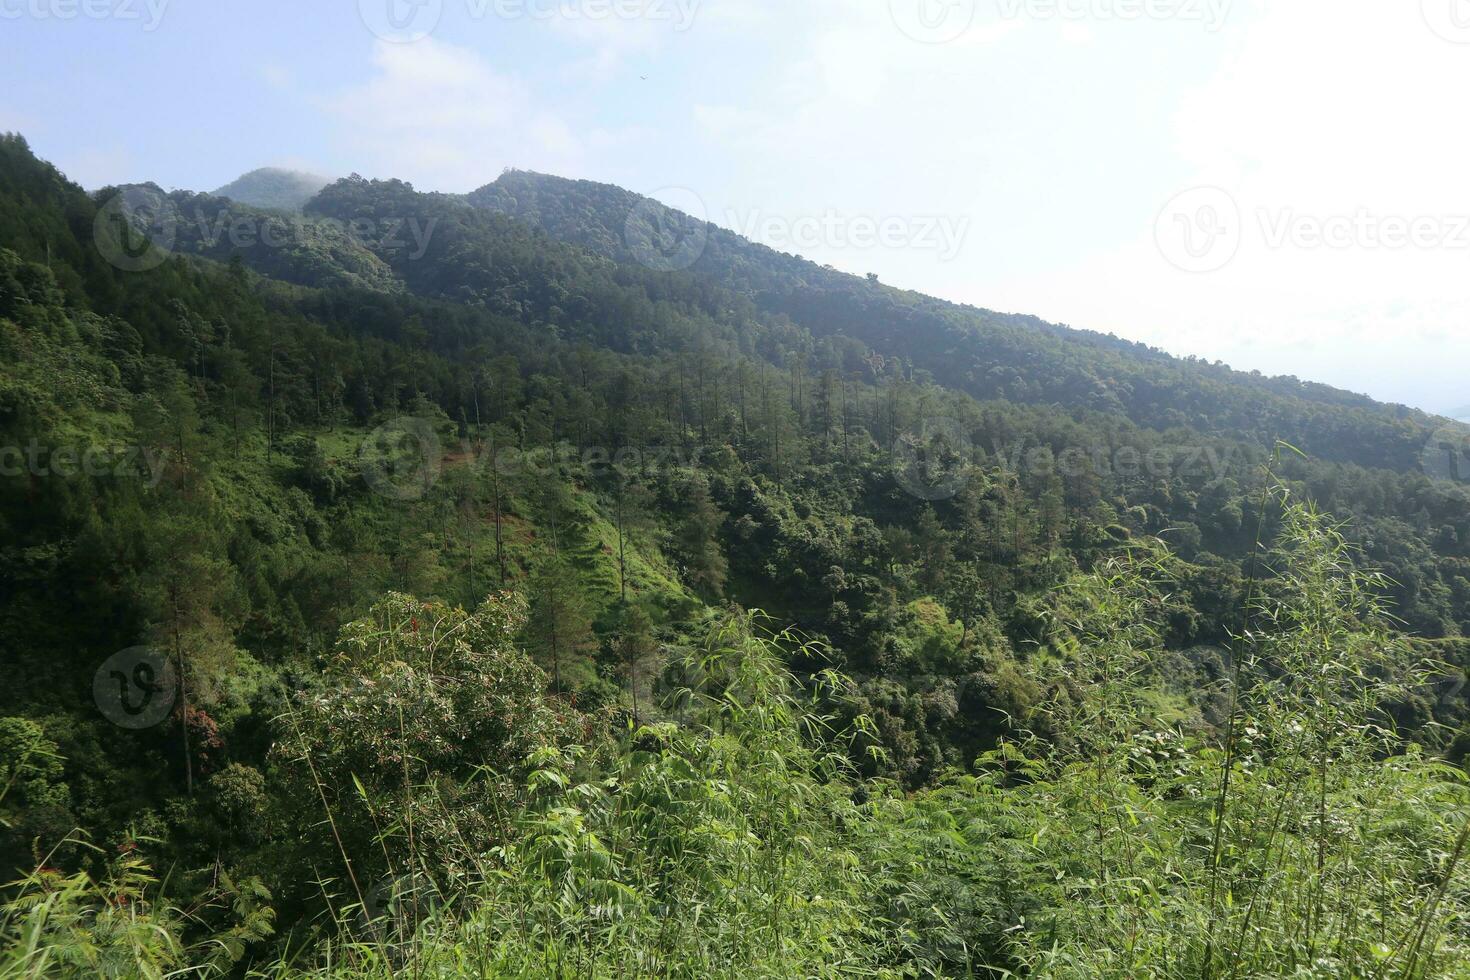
{"points": [[1282, 186]]}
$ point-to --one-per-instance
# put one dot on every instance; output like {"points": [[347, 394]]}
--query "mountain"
{"points": [[281, 245], [412, 542], [273, 187], [985, 353], [1170, 445]]}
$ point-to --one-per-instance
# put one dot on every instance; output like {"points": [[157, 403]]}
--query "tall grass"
{"points": [[709, 849], [1332, 850], [1306, 839]]}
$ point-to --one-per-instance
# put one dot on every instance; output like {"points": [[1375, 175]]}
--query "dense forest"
{"points": [[408, 584]]}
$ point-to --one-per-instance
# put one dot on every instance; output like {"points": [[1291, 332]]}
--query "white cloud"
{"points": [[1058, 141], [615, 34], [1335, 102], [861, 95], [1328, 110], [441, 116], [1319, 112]]}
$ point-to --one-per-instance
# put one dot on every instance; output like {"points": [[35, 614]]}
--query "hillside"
{"points": [[273, 188], [409, 548], [986, 354]]}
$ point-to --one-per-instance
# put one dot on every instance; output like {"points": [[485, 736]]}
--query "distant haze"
{"points": [[273, 187]]}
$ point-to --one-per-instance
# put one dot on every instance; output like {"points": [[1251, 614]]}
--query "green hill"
{"points": [[275, 188], [379, 587]]}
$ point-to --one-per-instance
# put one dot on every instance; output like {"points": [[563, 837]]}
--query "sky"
{"points": [[1279, 186]]}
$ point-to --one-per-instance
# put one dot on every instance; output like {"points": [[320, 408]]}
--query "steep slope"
{"points": [[273, 187], [1036, 388], [987, 354]]}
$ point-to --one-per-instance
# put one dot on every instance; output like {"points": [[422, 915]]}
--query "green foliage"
{"points": [[1191, 765], [741, 841], [1311, 844], [35, 803], [414, 737], [709, 849], [72, 928]]}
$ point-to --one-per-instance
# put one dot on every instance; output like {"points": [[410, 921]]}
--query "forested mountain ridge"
{"points": [[578, 296], [283, 246], [987, 354], [317, 447]]}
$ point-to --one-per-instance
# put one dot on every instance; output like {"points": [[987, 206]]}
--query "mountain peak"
{"points": [[274, 187]]}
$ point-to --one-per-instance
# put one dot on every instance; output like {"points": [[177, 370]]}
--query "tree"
{"points": [[424, 717], [35, 804], [560, 624], [698, 539], [167, 417], [965, 594], [636, 649], [631, 516], [194, 605], [932, 541]]}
